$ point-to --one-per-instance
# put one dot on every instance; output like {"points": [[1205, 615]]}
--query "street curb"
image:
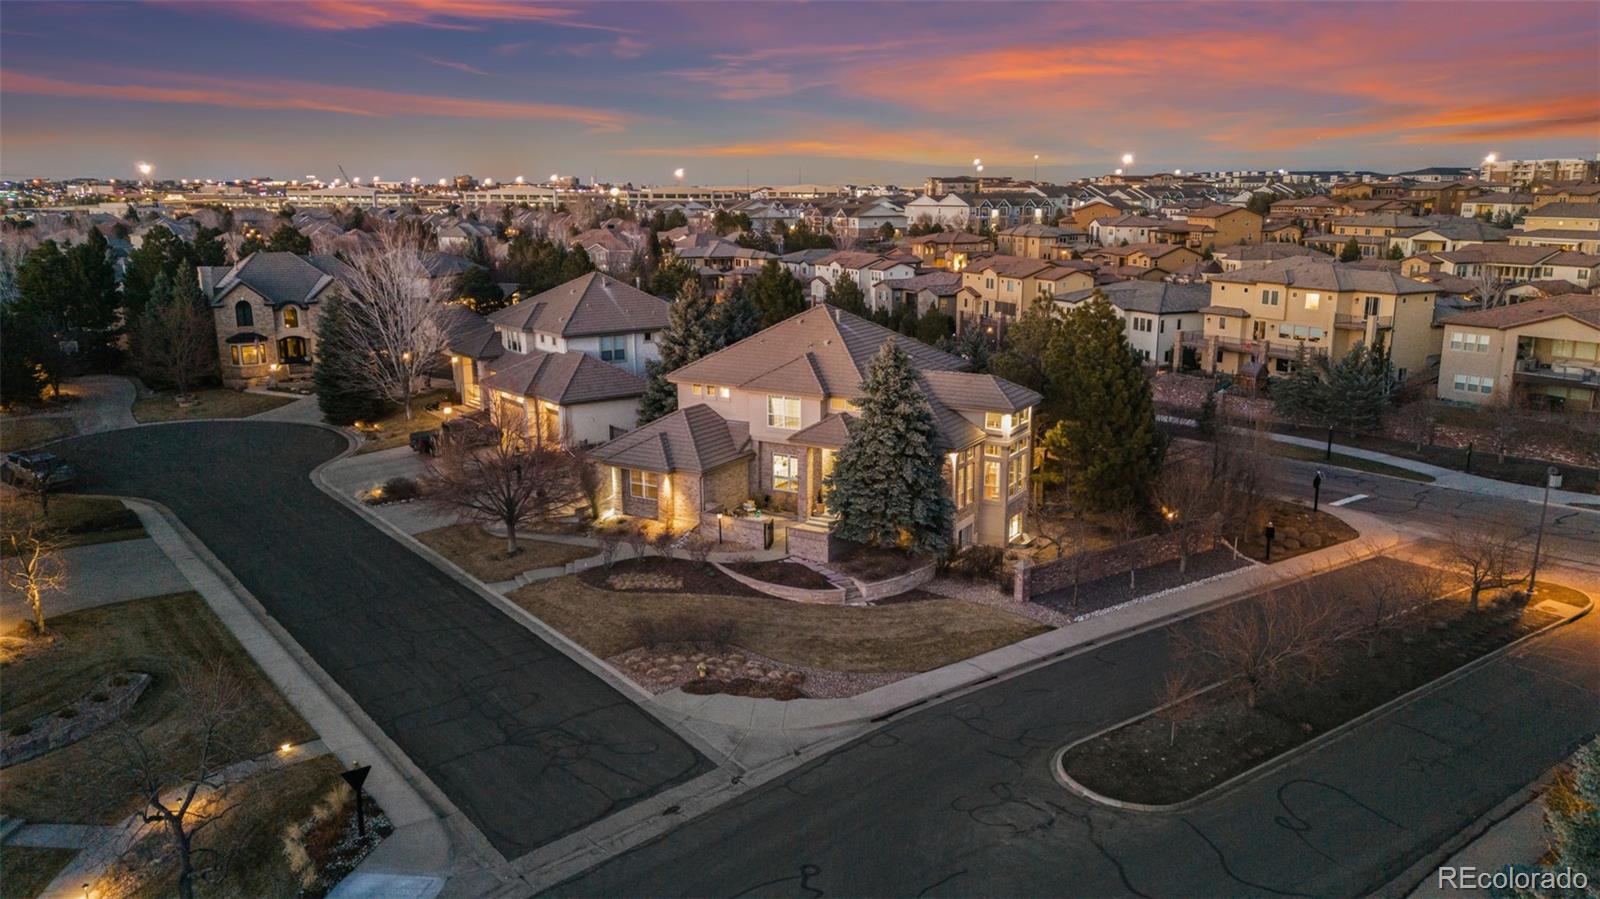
{"points": [[1058, 769], [1412, 878]]}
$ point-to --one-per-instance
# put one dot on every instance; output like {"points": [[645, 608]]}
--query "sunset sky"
{"points": [[824, 91]]}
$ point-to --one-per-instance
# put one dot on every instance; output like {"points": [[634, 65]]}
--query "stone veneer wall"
{"points": [[834, 595], [896, 585], [812, 542], [1033, 580], [51, 731]]}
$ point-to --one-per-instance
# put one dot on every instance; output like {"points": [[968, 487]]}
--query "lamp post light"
{"points": [[272, 376], [355, 777], [1328, 456], [1552, 479], [1270, 532], [719, 528], [1316, 490]]}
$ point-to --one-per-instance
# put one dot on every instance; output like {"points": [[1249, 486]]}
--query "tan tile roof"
{"points": [[1581, 307], [592, 304], [694, 439], [1325, 274], [565, 379]]}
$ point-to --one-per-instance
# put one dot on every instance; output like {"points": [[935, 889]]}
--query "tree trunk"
{"points": [[36, 600], [1476, 589], [405, 392], [511, 537], [1183, 560], [185, 863]]}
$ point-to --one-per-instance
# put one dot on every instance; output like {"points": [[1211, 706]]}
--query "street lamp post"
{"points": [[1329, 454], [1316, 490], [1271, 532], [719, 528], [1552, 479], [272, 375]]}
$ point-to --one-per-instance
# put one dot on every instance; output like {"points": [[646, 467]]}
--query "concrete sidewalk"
{"points": [[1442, 477], [746, 716]]}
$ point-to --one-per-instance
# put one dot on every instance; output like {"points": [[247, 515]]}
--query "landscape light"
{"points": [[615, 192], [285, 747]]}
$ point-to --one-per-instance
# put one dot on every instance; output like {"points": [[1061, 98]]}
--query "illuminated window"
{"points": [[783, 412], [644, 484], [1313, 301], [785, 473], [291, 317], [1014, 527], [1019, 468], [991, 480], [248, 354]]}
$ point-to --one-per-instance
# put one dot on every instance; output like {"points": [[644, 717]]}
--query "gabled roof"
{"points": [[565, 379], [1568, 210], [822, 351], [831, 432], [595, 303], [1581, 307], [693, 439], [468, 334], [1151, 297], [1325, 274], [279, 278]]}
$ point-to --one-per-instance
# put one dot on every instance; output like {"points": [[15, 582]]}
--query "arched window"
{"points": [[243, 315], [291, 317]]}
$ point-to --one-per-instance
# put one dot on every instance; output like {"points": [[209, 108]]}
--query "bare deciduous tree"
{"points": [[185, 779], [590, 480], [510, 482], [1384, 593], [1486, 557], [1243, 467], [1185, 490], [1490, 289], [1419, 421], [1257, 643], [393, 317], [1177, 685], [34, 567]]}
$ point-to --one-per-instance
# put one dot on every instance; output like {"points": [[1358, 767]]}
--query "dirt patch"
{"points": [[783, 572], [653, 574], [875, 564], [1298, 531], [483, 555]]}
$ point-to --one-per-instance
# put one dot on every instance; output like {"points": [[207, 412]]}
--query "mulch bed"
{"points": [[1297, 530], [779, 571], [915, 594], [654, 574], [1218, 736], [739, 672], [1092, 596], [874, 564]]}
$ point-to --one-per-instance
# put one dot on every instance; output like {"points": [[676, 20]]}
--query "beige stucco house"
{"points": [[1543, 353]]}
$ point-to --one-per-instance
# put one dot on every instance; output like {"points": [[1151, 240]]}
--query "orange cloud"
{"points": [[356, 15], [850, 142], [301, 95]]}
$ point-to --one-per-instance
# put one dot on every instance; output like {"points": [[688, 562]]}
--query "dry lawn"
{"points": [[213, 402], [80, 783], [28, 870], [894, 638], [394, 429], [82, 519], [483, 555], [26, 431]]}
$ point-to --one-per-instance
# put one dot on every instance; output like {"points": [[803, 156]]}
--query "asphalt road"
{"points": [[960, 800], [526, 742]]}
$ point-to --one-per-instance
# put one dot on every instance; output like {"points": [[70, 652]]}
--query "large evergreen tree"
{"points": [[887, 485], [22, 380], [1359, 387], [162, 252], [1021, 361], [776, 293], [341, 394], [477, 289], [736, 318], [1302, 396], [288, 239], [846, 294], [690, 333], [1351, 251], [1111, 447]]}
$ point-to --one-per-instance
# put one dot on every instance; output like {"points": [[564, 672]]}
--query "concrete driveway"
{"points": [[526, 742]]}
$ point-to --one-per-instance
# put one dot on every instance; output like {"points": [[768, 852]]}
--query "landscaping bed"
{"points": [[28, 870], [739, 672], [1298, 531], [907, 637], [1219, 736], [210, 402], [653, 574], [1112, 590], [784, 572], [82, 520], [868, 563], [483, 555], [394, 429]]}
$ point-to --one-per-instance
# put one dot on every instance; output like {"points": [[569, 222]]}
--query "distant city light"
{"points": [[677, 173], [615, 192], [415, 180], [444, 182], [976, 161], [1177, 171], [145, 168], [1119, 171], [356, 180], [520, 179], [1127, 159], [488, 182], [980, 169], [1489, 160]]}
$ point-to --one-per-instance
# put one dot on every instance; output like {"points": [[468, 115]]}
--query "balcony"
{"points": [[1532, 371], [1359, 322]]}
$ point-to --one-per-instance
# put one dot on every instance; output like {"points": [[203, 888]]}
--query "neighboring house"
{"points": [[950, 249], [1448, 235], [866, 269], [1041, 241], [1223, 226], [930, 290], [594, 314], [764, 418], [1495, 205], [1163, 257], [1540, 352], [609, 250], [997, 288], [949, 210], [803, 263], [1155, 311], [1509, 263], [1237, 257], [1564, 216], [265, 310], [1264, 316], [1125, 229]]}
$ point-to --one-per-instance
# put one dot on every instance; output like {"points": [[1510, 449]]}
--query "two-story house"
{"points": [[1265, 316], [763, 419], [265, 309], [1042, 241], [1544, 353], [1156, 312]]}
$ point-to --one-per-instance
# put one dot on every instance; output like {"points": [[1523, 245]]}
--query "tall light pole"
{"points": [[1552, 479], [1036, 167]]}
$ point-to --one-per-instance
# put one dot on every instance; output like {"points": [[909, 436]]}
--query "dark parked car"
{"points": [[31, 470]]}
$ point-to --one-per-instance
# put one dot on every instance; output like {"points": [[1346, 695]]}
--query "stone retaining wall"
{"points": [[896, 585], [52, 731], [1033, 580], [811, 542], [833, 595]]}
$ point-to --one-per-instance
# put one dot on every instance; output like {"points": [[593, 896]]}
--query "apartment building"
{"points": [[1543, 353], [1509, 263], [1522, 172], [1259, 319], [763, 419]]}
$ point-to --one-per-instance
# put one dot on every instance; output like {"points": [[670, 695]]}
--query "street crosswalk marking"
{"points": [[1349, 499]]}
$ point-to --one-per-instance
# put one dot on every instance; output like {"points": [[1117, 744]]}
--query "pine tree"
{"points": [[1302, 396], [691, 333], [1358, 389], [340, 396], [1205, 421], [847, 295], [887, 485], [1351, 251], [288, 239], [1112, 447], [736, 318], [776, 293], [21, 378], [1574, 824]]}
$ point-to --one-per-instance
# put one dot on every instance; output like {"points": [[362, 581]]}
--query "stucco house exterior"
{"points": [[265, 310], [1155, 312], [763, 418], [1543, 352]]}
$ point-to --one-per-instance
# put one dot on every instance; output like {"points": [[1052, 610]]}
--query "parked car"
{"points": [[25, 469]]}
